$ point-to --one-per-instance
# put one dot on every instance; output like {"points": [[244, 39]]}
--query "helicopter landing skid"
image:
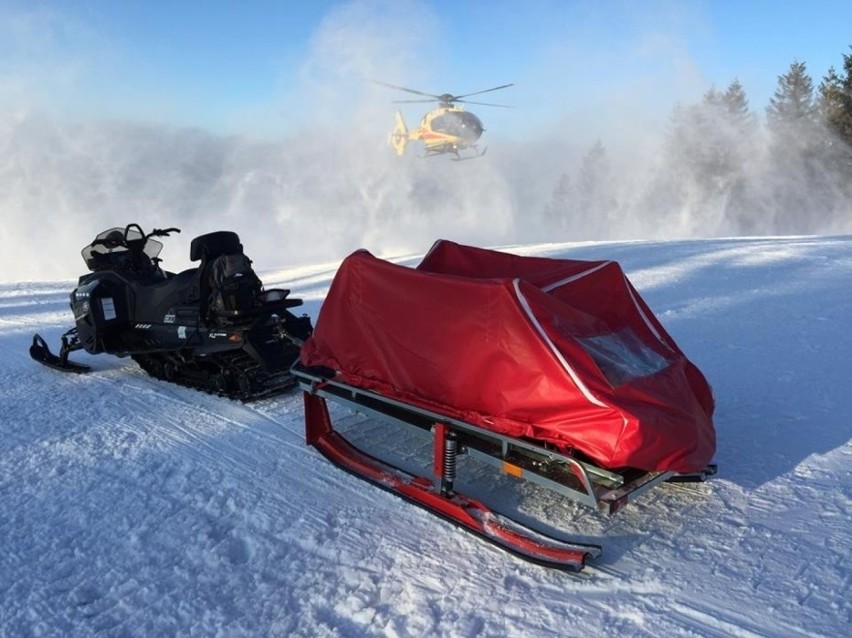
{"points": [[476, 151], [455, 155]]}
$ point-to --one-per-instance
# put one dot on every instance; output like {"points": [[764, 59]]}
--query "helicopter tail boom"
{"points": [[399, 137]]}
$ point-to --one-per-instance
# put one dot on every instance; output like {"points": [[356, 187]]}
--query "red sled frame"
{"points": [[579, 480]]}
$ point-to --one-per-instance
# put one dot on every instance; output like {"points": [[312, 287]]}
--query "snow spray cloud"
{"points": [[335, 186], [341, 186], [633, 164], [315, 196], [716, 170]]}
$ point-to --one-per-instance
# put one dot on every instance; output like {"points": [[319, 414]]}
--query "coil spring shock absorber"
{"points": [[451, 449]]}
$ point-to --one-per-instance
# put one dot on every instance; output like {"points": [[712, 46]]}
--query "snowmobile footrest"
{"points": [[440, 499]]}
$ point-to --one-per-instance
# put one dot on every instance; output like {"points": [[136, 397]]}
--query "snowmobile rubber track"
{"points": [[234, 375]]}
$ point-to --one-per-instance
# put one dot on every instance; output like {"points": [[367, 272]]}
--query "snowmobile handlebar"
{"points": [[157, 232], [112, 241], [163, 232], [141, 249]]}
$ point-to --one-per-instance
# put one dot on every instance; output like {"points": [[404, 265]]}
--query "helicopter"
{"points": [[448, 128]]}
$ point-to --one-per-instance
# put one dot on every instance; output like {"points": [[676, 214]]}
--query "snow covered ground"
{"points": [[130, 507]]}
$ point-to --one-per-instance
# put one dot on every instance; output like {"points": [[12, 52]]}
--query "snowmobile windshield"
{"points": [[111, 249]]}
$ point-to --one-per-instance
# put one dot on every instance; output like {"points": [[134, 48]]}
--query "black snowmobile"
{"points": [[213, 327]]}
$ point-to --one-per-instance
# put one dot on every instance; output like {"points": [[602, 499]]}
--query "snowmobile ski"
{"points": [[40, 352]]}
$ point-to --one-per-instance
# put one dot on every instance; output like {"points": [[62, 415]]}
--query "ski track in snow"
{"points": [[131, 507]]}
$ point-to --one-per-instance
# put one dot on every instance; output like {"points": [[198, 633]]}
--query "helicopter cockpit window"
{"points": [[458, 123], [447, 123]]}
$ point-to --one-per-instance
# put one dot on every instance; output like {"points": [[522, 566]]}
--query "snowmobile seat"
{"points": [[229, 287], [162, 297], [208, 247]]}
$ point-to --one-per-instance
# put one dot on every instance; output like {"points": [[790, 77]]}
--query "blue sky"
{"points": [[269, 68]]}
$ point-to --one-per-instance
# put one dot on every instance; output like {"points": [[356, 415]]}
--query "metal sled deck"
{"points": [[578, 480]]}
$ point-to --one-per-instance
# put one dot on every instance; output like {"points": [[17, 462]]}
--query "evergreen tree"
{"points": [[710, 148], [836, 100], [835, 106], [712, 97], [711, 137], [559, 210], [796, 175], [595, 197], [794, 101], [735, 104]]}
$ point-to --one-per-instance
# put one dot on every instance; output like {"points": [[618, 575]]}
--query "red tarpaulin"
{"points": [[558, 351]]}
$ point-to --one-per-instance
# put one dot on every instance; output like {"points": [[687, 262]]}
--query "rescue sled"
{"points": [[553, 371]]}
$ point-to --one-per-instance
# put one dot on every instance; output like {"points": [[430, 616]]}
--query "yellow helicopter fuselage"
{"points": [[446, 129]]}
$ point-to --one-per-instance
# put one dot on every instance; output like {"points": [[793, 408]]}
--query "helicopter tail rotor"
{"points": [[399, 136]]}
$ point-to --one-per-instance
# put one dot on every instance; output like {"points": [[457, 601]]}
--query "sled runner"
{"points": [[553, 371], [581, 481]]}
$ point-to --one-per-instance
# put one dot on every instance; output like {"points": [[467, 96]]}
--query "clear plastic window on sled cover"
{"points": [[622, 356]]}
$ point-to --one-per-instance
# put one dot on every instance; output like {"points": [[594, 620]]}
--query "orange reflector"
{"points": [[512, 470], [235, 337]]}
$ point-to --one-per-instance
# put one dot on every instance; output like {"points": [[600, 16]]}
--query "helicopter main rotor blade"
{"points": [[456, 98], [502, 106], [410, 101], [402, 88]]}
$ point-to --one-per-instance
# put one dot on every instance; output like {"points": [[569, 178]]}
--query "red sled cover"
{"points": [[556, 351]]}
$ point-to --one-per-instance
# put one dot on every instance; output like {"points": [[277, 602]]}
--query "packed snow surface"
{"points": [[131, 507]]}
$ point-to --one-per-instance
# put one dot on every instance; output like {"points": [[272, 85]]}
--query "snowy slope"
{"points": [[130, 507]]}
